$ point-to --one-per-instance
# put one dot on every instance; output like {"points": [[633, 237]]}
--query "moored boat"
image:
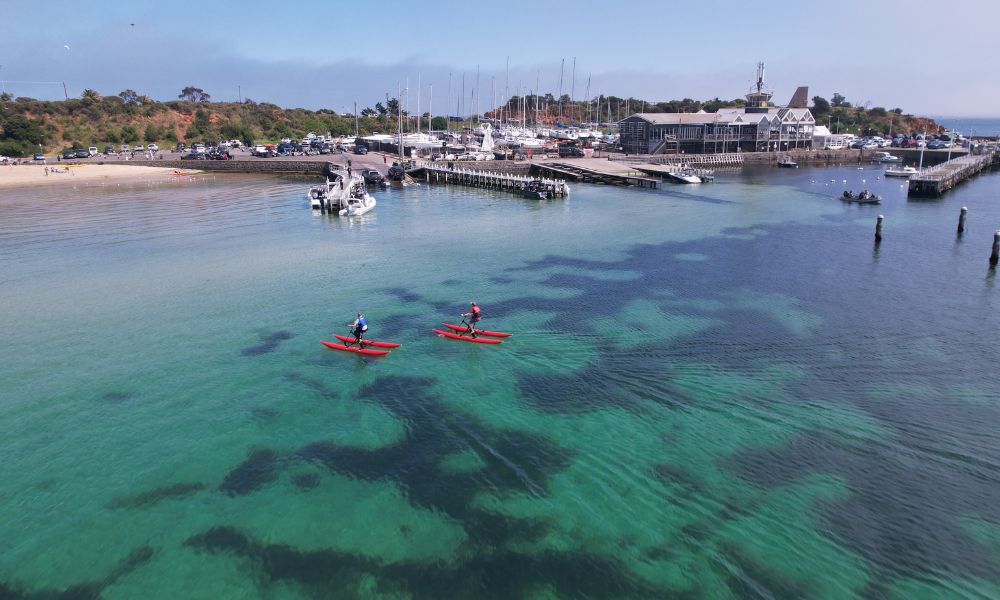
{"points": [[684, 175], [786, 162], [865, 197], [901, 172], [358, 201]]}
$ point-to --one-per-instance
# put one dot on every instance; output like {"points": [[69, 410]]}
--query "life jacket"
{"points": [[475, 312], [362, 323]]}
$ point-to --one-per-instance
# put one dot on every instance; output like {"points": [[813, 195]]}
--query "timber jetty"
{"points": [[939, 179], [506, 182]]}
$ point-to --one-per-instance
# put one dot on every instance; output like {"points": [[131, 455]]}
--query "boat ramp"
{"points": [[941, 178], [485, 179], [600, 171]]}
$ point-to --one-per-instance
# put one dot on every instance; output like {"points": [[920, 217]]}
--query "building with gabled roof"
{"points": [[757, 127]]}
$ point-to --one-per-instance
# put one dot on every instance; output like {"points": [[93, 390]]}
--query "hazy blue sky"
{"points": [[927, 57]]}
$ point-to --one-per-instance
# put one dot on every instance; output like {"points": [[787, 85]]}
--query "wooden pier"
{"points": [[941, 178], [602, 172], [485, 179]]}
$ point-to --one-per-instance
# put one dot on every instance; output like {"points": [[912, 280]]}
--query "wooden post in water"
{"points": [[961, 219], [878, 229], [995, 256]]}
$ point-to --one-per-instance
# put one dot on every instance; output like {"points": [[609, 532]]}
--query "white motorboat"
{"points": [[887, 158], [901, 172], [684, 176], [322, 195], [358, 201]]}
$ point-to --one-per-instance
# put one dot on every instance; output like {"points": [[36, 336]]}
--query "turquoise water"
{"points": [[971, 126], [717, 391]]}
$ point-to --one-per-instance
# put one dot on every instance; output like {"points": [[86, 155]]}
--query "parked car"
{"points": [[153, 148], [570, 152], [360, 149], [935, 145], [92, 151], [125, 148], [194, 156], [83, 153], [109, 149], [140, 148], [69, 154], [181, 147], [4, 160], [219, 154], [39, 156], [372, 175]]}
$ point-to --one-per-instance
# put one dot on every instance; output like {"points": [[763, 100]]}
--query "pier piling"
{"points": [[878, 229], [961, 220], [995, 256]]}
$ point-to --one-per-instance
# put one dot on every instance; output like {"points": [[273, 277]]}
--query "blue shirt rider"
{"points": [[360, 326]]}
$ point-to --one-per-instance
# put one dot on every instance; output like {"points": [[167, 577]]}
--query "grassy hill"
{"points": [[28, 125]]}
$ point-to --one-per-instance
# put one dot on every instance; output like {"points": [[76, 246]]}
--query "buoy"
{"points": [[961, 219], [878, 231]]}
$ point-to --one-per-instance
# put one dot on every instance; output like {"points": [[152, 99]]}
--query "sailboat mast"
{"points": [[562, 67], [538, 88], [572, 97], [419, 114], [430, 111], [477, 95], [399, 119], [506, 89], [447, 120]]}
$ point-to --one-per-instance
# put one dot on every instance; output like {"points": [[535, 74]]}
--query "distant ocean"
{"points": [[971, 125]]}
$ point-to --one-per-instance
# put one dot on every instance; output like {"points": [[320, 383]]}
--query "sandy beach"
{"points": [[84, 174]]}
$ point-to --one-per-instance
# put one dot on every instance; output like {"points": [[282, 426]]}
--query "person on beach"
{"points": [[360, 326], [46, 171], [472, 317]]}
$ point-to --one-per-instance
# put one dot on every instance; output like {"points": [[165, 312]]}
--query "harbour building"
{"points": [[758, 127]]}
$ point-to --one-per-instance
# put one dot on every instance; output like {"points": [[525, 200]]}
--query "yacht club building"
{"points": [[728, 130], [759, 127]]}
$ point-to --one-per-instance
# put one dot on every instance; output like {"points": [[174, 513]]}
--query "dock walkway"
{"points": [[507, 182], [941, 178]]}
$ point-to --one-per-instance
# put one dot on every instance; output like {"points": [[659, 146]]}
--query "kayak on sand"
{"points": [[466, 338], [464, 329], [377, 344], [367, 351]]}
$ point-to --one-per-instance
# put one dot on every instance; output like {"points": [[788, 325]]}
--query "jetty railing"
{"points": [[941, 178], [432, 173]]}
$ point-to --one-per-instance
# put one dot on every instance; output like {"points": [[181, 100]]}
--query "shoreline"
{"points": [[34, 175]]}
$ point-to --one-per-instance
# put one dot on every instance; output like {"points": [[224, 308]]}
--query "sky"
{"points": [[929, 58]]}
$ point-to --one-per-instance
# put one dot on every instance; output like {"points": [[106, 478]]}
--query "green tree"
{"points": [[153, 133], [821, 105], [839, 100], [129, 97], [90, 96], [193, 94], [129, 134]]}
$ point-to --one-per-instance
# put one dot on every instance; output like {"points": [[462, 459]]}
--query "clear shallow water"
{"points": [[715, 391]]}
